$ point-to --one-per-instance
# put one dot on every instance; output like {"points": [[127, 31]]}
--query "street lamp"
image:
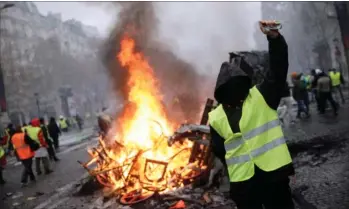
{"points": [[7, 6]]}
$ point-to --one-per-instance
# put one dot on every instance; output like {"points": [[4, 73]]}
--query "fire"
{"points": [[137, 157]]}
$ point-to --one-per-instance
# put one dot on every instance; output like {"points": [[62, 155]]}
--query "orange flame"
{"points": [[142, 152]]}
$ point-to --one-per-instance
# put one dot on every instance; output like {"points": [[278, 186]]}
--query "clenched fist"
{"points": [[269, 27]]}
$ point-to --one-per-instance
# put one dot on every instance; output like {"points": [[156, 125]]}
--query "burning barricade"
{"points": [[140, 156]]}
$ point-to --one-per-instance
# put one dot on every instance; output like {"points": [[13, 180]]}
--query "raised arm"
{"points": [[275, 81]]}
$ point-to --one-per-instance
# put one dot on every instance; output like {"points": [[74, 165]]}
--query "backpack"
{"points": [[32, 144]]}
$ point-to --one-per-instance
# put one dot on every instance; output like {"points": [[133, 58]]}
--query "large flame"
{"points": [[138, 154]]}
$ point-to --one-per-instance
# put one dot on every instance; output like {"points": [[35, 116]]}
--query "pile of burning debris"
{"points": [[141, 157], [192, 182]]}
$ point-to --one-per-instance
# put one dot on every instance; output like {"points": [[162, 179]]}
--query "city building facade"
{"points": [[40, 54]]}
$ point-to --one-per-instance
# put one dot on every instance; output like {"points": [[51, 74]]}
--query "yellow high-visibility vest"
{"points": [[24, 128], [33, 133], [335, 78], [63, 123], [2, 152], [261, 141]]}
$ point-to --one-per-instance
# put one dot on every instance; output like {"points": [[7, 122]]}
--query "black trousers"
{"points": [[27, 171], [338, 89], [1, 177], [259, 193], [51, 151], [55, 141], [323, 98], [46, 163]]}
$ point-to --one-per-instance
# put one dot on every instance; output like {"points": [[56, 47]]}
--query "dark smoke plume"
{"points": [[177, 78]]}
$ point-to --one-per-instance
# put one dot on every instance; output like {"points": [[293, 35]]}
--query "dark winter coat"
{"points": [[53, 129], [286, 92], [299, 90], [232, 86]]}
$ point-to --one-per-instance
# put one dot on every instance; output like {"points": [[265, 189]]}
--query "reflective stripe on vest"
{"points": [[260, 142], [335, 78]]}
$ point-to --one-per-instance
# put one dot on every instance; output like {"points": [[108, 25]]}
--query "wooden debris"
{"points": [[207, 198], [187, 199], [179, 205]]}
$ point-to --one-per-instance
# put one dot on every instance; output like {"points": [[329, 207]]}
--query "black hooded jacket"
{"points": [[232, 87]]}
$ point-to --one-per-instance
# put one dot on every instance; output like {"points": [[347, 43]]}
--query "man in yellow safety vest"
{"points": [[337, 81], [63, 125], [246, 133]]}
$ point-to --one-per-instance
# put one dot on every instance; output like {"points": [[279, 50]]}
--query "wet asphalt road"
{"points": [[319, 145], [65, 171]]}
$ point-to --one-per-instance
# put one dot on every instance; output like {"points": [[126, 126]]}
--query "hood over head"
{"points": [[35, 122], [234, 82]]}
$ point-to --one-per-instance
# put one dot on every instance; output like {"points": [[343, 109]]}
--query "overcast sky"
{"points": [[201, 32]]}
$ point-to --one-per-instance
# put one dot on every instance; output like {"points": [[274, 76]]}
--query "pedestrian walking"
{"points": [[314, 73], [285, 109], [337, 82], [79, 121], [324, 90], [246, 133], [34, 131], [299, 93], [50, 149], [54, 132], [20, 142]]}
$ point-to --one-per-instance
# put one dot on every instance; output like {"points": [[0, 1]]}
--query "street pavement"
{"points": [[319, 146], [65, 172]]}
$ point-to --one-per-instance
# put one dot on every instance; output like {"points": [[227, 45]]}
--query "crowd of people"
{"points": [[37, 141], [319, 87]]}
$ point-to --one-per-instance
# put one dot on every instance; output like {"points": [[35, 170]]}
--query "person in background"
{"points": [[337, 82], [25, 154], [4, 138], [35, 133], [286, 103], [324, 86], [305, 83], [79, 121], [50, 149], [299, 92], [11, 131], [54, 132], [314, 87], [63, 125], [24, 127]]}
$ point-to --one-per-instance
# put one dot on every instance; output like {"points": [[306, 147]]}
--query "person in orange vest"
{"points": [[25, 154], [35, 133]]}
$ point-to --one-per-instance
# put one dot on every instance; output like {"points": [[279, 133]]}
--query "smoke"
{"points": [[178, 79]]}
